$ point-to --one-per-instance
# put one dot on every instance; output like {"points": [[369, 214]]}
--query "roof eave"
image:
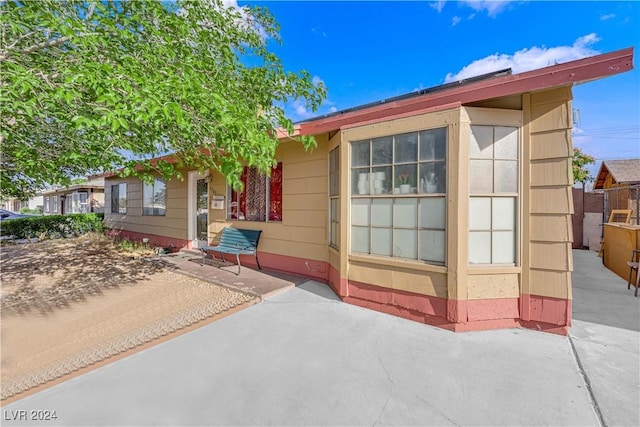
{"points": [[566, 74]]}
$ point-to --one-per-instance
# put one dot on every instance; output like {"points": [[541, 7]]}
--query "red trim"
{"points": [[492, 309], [304, 267], [554, 311], [566, 74], [337, 283], [154, 239]]}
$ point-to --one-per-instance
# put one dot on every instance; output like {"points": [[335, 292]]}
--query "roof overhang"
{"points": [[567, 74]]}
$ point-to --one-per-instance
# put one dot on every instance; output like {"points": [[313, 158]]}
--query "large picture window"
{"points": [[119, 198], [493, 182], [261, 198], [334, 197], [398, 188], [154, 196]]}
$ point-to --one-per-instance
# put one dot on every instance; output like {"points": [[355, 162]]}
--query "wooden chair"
{"points": [[617, 215], [633, 265]]}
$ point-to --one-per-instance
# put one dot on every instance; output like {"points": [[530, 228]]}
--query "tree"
{"points": [[88, 87], [580, 162]]}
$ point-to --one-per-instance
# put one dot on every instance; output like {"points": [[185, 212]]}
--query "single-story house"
{"points": [[83, 197], [13, 204], [618, 173], [449, 206]]}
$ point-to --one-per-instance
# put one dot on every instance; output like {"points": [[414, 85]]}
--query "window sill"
{"points": [[396, 262], [493, 269]]}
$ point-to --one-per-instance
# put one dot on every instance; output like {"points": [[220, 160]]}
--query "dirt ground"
{"points": [[71, 303]]}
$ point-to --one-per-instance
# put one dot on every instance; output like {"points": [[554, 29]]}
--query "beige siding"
{"points": [[551, 202], [394, 277], [173, 224]]}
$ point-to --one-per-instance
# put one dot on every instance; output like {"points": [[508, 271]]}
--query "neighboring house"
{"points": [[620, 180], [14, 205], [618, 173], [449, 206], [83, 197]]}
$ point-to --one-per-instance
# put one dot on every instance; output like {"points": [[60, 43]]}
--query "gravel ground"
{"points": [[68, 304]]}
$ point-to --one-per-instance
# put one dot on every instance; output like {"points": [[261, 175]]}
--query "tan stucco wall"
{"points": [[173, 224]]}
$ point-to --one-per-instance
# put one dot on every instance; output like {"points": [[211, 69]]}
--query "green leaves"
{"points": [[138, 80], [580, 162]]}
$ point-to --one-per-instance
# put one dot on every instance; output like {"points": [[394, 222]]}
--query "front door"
{"points": [[198, 209]]}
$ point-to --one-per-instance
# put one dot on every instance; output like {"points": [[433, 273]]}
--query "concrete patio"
{"points": [[302, 357]]}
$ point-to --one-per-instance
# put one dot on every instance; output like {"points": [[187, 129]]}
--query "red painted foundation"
{"points": [[536, 312]]}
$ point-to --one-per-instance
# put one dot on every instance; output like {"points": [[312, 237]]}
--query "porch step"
{"points": [[190, 252]]}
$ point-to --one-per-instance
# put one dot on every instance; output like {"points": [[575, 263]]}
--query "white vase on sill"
{"points": [[405, 188]]}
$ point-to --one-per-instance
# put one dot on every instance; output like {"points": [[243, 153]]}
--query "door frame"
{"points": [[193, 177]]}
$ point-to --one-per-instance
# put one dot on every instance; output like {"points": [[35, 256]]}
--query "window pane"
{"points": [[381, 241], [506, 145], [382, 150], [480, 247], [504, 213], [481, 144], [382, 212], [432, 245], [360, 211], [334, 172], [256, 195], [506, 176], [159, 194], [335, 234], [405, 243], [360, 153], [503, 247], [480, 176], [360, 181], [147, 199], [405, 213], [334, 209], [433, 144], [480, 213], [405, 175], [122, 203], [381, 180], [406, 147], [432, 212], [115, 199], [433, 178], [360, 239]]}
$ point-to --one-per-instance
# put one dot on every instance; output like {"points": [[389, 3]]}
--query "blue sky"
{"points": [[370, 50]]}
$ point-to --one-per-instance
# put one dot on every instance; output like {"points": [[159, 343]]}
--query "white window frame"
{"points": [[334, 197]]}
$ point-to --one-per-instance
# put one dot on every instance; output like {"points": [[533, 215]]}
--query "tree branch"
{"points": [[44, 45]]}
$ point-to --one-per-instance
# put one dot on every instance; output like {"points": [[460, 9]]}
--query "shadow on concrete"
{"points": [[319, 289], [601, 296]]}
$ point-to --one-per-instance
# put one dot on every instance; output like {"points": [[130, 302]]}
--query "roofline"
{"points": [[566, 74]]}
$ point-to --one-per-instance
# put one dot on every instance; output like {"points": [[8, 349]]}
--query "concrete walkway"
{"points": [[302, 357], [606, 337]]}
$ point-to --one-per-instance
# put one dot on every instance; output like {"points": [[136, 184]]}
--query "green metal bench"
{"points": [[235, 241]]}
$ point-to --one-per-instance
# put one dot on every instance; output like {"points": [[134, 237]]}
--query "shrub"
{"points": [[31, 211], [52, 226]]}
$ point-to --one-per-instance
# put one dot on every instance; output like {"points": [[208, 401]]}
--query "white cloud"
{"points": [[455, 21], [319, 31], [492, 7], [528, 59], [301, 110], [439, 5], [333, 109], [317, 80], [607, 16], [246, 20]]}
